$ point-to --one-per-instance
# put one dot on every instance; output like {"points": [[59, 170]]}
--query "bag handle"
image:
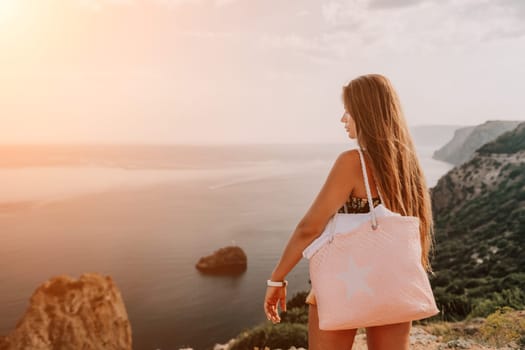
{"points": [[368, 192], [368, 195]]}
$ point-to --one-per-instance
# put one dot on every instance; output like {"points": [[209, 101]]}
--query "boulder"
{"points": [[227, 260], [69, 314]]}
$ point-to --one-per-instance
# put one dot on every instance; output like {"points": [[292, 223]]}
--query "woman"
{"points": [[374, 117]]}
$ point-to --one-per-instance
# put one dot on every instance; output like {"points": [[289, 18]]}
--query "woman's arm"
{"points": [[332, 196]]}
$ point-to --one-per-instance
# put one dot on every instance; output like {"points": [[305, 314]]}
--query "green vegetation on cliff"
{"points": [[292, 331], [510, 142], [480, 242]]}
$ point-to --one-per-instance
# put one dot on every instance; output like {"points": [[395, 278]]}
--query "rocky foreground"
{"points": [[69, 314], [504, 331]]}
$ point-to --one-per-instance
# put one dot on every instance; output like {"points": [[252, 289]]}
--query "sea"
{"points": [[144, 214]]}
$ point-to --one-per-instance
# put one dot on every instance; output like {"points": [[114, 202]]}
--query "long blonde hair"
{"points": [[382, 131]]}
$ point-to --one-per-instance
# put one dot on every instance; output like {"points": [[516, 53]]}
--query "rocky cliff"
{"points": [[493, 165], [479, 213], [468, 139], [70, 314], [433, 135]]}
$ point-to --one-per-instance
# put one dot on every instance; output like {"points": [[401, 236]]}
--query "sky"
{"points": [[234, 71]]}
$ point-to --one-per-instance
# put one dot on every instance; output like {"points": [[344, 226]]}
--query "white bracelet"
{"points": [[271, 283]]}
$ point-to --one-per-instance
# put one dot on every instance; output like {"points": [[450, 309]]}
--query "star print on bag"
{"points": [[355, 279]]}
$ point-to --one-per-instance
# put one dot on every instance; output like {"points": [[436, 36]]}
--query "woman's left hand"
{"points": [[275, 296]]}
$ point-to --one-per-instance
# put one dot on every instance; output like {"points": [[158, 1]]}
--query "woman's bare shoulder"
{"points": [[350, 158], [350, 165]]}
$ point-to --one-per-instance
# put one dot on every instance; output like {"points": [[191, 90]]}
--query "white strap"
{"points": [[333, 223], [368, 192]]}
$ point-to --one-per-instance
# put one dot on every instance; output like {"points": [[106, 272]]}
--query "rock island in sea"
{"points": [[227, 260]]}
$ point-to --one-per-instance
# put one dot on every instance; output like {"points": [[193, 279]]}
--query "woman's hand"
{"points": [[274, 296]]}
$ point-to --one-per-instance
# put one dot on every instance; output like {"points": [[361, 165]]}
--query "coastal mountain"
{"points": [[479, 213], [467, 140], [433, 135]]}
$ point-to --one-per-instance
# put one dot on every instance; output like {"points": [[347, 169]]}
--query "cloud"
{"points": [[517, 6], [323, 48], [362, 27], [344, 13], [393, 3], [432, 23], [290, 41], [302, 13], [500, 33], [500, 19]]}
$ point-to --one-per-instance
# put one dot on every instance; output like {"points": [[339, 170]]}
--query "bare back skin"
{"points": [[386, 337]]}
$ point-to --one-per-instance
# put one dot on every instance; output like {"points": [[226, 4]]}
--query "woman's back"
{"points": [[357, 201], [358, 205]]}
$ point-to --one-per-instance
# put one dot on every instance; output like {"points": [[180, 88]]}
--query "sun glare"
{"points": [[8, 10]]}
